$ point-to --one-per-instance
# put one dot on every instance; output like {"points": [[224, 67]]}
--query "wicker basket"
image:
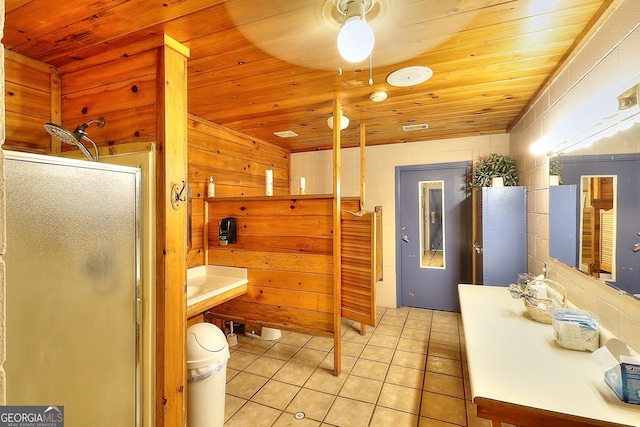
{"points": [[557, 297]]}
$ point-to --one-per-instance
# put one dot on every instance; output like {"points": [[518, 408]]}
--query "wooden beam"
{"points": [[337, 246], [171, 225], [363, 166]]}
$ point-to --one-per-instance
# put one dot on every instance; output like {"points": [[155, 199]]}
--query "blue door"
{"points": [[433, 234]]}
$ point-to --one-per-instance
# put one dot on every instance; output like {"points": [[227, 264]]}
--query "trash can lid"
{"points": [[206, 343]]}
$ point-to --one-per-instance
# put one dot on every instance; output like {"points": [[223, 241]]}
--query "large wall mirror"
{"points": [[594, 217], [432, 224]]}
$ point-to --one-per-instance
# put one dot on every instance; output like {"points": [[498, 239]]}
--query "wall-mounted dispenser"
{"points": [[227, 231]]}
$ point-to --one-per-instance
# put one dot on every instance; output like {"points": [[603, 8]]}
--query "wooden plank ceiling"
{"points": [[261, 66]]}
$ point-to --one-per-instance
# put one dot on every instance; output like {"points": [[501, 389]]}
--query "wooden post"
{"points": [[171, 225], [337, 244], [363, 166], [363, 183]]}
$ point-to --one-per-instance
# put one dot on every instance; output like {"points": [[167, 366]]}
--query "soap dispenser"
{"points": [[227, 231]]}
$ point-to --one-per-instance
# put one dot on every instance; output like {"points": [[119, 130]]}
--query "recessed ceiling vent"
{"points": [[409, 128], [286, 134]]}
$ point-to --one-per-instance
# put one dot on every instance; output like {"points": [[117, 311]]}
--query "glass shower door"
{"points": [[72, 265]]}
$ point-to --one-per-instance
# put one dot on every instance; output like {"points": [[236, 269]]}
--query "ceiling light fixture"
{"points": [[356, 38], [409, 76], [343, 120], [378, 96]]}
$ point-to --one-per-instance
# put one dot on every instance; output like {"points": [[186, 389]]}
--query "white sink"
{"points": [[207, 281]]}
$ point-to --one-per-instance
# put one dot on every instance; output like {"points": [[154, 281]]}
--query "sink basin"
{"points": [[207, 281], [193, 290]]}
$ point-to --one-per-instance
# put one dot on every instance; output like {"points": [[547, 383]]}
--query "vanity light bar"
{"points": [[629, 98]]}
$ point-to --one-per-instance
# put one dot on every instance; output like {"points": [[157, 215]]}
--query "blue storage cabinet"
{"points": [[504, 234]]}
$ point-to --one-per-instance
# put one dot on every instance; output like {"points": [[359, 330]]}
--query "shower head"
{"points": [[75, 137]]}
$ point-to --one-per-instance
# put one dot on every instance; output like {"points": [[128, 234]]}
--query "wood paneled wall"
{"points": [[237, 164], [122, 91], [32, 98], [286, 244]]}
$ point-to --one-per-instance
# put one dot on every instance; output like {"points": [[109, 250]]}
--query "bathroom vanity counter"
{"points": [[519, 374], [211, 285]]}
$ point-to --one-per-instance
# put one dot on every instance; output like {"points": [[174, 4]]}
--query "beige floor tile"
{"points": [[467, 389], [313, 404], [392, 330], [413, 346], [392, 320], [231, 405], [444, 350], [294, 373], [408, 377], [256, 346], [385, 417], [346, 363], [446, 317], [309, 357], [370, 369], [241, 360], [352, 348], [276, 394], [264, 366], [443, 408], [349, 413], [363, 389], [323, 380], [400, 398], [444, 338], [254, 415], [282, 351], [445, 328], [415, 334], [424, 324], [289, 420], [420, 313], [295, 338], [245, 385], [398, 312], [231, 373], [354, 336], [444, 384], [379, 354], [320, 343], [444, 366], [381, 340], [409, 360]]}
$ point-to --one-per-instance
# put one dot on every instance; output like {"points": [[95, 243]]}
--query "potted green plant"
{"points": [[495, 166], [555, 172]]}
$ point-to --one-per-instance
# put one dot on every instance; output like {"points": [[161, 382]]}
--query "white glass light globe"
{"points": [[355, 40]]}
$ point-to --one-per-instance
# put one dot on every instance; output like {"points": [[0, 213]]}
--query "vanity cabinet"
{"points": [[500, 235]]}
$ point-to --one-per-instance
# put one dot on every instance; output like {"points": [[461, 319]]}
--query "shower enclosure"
{"points": [[73, 276]]}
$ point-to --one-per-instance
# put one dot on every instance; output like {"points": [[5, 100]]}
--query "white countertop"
{"points": [[207, 281], [514, 359]]}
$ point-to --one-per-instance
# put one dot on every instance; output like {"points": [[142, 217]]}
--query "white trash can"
{"points": [[207, 356]]}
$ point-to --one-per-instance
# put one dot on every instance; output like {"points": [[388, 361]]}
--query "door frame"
{"points": [[398, 209]]}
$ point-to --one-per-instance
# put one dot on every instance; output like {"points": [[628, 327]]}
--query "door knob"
{"points": [[477, 247], [405, 239]]}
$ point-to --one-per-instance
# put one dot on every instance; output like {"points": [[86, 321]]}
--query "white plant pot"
{"points": [[497, 181], [554, 180]]}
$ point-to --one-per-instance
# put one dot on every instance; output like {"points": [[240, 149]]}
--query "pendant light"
{"points": [[356, 38]]}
